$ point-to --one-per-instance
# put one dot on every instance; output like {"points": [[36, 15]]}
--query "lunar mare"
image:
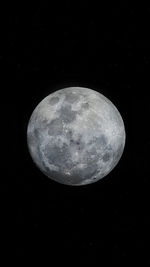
{"points": [[76, 136]]}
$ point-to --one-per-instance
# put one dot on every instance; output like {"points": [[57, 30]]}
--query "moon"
{"points": [[76, 136]]}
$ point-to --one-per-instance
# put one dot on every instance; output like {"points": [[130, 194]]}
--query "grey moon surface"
{"points": [[76, 136]]}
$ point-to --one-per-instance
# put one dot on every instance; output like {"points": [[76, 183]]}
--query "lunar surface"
{"points": [[76, 136]]}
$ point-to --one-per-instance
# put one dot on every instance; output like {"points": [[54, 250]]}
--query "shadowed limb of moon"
{"points": [[76, 136]]}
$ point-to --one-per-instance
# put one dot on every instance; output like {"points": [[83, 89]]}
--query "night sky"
{"points": [[105, 48]]}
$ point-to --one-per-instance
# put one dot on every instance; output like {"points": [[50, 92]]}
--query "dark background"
{"points": [[104, 48]]}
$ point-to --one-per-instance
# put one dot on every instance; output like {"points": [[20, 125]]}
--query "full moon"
{"points": [[76, 136]]}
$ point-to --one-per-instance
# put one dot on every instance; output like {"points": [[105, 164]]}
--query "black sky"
{"points": [[107, 49]]}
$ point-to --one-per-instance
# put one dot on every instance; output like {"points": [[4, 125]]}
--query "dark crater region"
{"points": [[54, 100]]}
